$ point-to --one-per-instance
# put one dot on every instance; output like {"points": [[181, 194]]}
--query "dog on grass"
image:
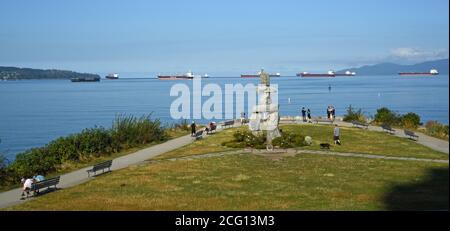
{"points": [[324, 146]]}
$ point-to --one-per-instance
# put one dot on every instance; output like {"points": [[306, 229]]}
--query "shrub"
{"points": [[386, 116], [3, 171], [289, 140], [410, 120], [436, 129], [130, 131], [354, 115], [245, 138], [126, 132]]}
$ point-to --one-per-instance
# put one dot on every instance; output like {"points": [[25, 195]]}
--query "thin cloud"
{"points": [[413, 54]]}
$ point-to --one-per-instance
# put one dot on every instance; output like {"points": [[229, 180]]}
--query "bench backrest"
{"points": [[102, 165], [387, 127], [46, 183], [226, 123], [409, 133], [199, 133]]}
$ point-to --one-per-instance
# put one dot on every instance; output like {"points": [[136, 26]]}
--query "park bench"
{"points": [[228, 123], [360, 124], [319, 120], [35, 187], [411, 135], [198, 135], [211, 129], [100, 166], [387, 128]]}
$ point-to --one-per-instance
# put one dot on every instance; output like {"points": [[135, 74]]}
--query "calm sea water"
{"points": [[34, 112]]}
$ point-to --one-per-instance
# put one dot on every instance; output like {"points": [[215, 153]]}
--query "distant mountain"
{"points": [[393, 69], [13, 73]]}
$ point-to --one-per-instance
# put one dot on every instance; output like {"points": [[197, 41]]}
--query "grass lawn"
{"points": [[353, 140], [251, 182], [362, 141]]}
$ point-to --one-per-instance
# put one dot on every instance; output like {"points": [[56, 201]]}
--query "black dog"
{"points": [[324, 146]]}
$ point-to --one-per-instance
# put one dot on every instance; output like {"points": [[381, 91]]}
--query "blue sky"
{"points": [[140, 38]]}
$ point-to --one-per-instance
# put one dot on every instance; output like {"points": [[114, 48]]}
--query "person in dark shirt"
{"points": [[193, 128], [309, 115], [304, 114]]}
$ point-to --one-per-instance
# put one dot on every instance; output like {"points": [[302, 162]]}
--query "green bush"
{"points": [[126, 132], [436, 129], [245, 138], [289, 140], [386, 116], [354, 115], [410, 120], [130, 131]]}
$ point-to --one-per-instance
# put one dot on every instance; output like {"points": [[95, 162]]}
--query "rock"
{"points": [[308, 140]]}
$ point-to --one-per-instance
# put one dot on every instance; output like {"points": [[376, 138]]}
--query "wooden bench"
{"points": [[198, 135], [360, 124], [228, 123], [35, 187], [411, 135], [318, 120], [101, 166], [387, 128]]}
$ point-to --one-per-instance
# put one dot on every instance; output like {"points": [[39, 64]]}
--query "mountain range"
{"points": [[392, 69]]}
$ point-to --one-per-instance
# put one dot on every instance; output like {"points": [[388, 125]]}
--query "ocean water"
{"points": [[34, 112]]}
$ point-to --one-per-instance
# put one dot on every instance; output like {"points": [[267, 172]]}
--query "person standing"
{"points": [[336, 134], [193, 128], [304, 114], [328, 112], [333, 112], [309, 115]]}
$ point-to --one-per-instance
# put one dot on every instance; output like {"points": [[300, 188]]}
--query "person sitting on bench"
{"points": [[27, 183]]}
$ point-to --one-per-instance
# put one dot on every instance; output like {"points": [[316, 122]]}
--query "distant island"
{"points": [[15, 73], [392, 68]]}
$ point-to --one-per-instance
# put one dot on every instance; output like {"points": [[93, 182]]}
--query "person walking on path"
{"points": [[193, 128], [304, 114], [309, 115], [336, 134]]}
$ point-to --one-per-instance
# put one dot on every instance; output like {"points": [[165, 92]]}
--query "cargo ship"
{"points": [[431, 72], [112, 76], [306, 74], [258, 74], [347, 73], [85, 79], [188, 75]]}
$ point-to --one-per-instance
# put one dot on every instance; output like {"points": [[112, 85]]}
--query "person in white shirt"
{"points": [[26, 186]]}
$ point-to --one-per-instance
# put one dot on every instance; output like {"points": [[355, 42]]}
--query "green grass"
{"points": [[209, 144], [353, 140], [250, 182], [362, 141]]}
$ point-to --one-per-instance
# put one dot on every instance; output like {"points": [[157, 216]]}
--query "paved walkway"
{"points": [[12, 197]]}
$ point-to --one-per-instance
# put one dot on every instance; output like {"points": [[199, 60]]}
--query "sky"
{"points": [[139, 38]]}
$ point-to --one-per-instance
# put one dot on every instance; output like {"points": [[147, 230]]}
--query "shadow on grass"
{"points": [[429, 194]]}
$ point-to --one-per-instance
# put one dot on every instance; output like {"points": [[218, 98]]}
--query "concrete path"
{"points": [[12, 197]]}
